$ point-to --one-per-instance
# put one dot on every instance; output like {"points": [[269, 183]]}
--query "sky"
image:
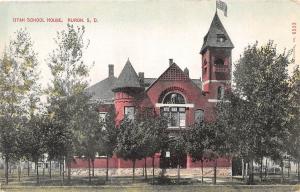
{"points": [[149, 32]]}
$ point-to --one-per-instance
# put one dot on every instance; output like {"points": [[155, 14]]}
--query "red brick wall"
{"points": [[221, 162], [98, 163], [115, 162]]}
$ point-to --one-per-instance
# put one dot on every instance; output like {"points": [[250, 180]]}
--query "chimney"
{"points": [[110, 70], [141, 77], [170, 62], [186, 71]]}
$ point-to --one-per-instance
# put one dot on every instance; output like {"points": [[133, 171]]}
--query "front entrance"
{"points": [[172, 161]]}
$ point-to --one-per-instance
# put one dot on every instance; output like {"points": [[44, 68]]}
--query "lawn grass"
{"points": [[120, 184], [172, 188]]}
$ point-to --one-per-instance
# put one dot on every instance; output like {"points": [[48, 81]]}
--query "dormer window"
{"points": [[221, 38]]}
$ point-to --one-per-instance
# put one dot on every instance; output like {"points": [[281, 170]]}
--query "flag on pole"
{"points": [[222, 6]]}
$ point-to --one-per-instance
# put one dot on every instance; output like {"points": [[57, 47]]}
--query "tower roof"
{"points": [[216, 31], [127, 78]]}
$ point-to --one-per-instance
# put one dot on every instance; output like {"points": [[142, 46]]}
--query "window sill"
{"points": [[183, 127]]}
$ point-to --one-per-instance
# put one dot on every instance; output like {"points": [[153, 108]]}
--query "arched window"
{"points": [[220, 92], [219, 62], [174, 98], [175, 114]]}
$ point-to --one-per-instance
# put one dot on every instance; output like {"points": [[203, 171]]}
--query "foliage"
{"points": [[197, 141], [89, 127], [294, 136], [130, 140], [109, 134], [155, 131], [66, 63], [66, 90], [262, 86], [19, 91]]}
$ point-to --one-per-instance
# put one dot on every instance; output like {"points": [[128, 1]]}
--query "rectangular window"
{"points": [[175, 115], [166, 109], [182, 119], [129, 112], [181, 109], [174, 119], [199, 116], [102, 116]]}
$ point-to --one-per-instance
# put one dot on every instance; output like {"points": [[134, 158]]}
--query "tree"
{"points": [[109, 135], [33, 137], [155, 134], [59, 140], [88, 137], [294, 136], [130, 142], [69, 73], [198, 143], [19, 91], [261, 84], [177, 147]]}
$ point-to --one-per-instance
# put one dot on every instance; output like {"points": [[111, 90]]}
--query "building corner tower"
{"points": [[216, 60]]}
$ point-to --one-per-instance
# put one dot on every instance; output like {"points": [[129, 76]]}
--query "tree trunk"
{"points": [[243, 169], [246, 171], [93, 167], [251, 173], [28, 169], [6, 170], [289, 168], [63, 171], [69, 170], [261, 169], [266, 169], [231, 163], [37, 172], [43, 169], [178, 171], [298, 163], [202, 176], [282, 175], [19, 171], [153, 167], [133, 169], [89, 163], [50, 169], [107, 164], [215, 172], [60, 168], [146, 177]]}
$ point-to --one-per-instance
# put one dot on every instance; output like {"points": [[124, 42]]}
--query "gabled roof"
{"points": [[216, 28], [173, 73], [127, 78], [102, 90]]}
